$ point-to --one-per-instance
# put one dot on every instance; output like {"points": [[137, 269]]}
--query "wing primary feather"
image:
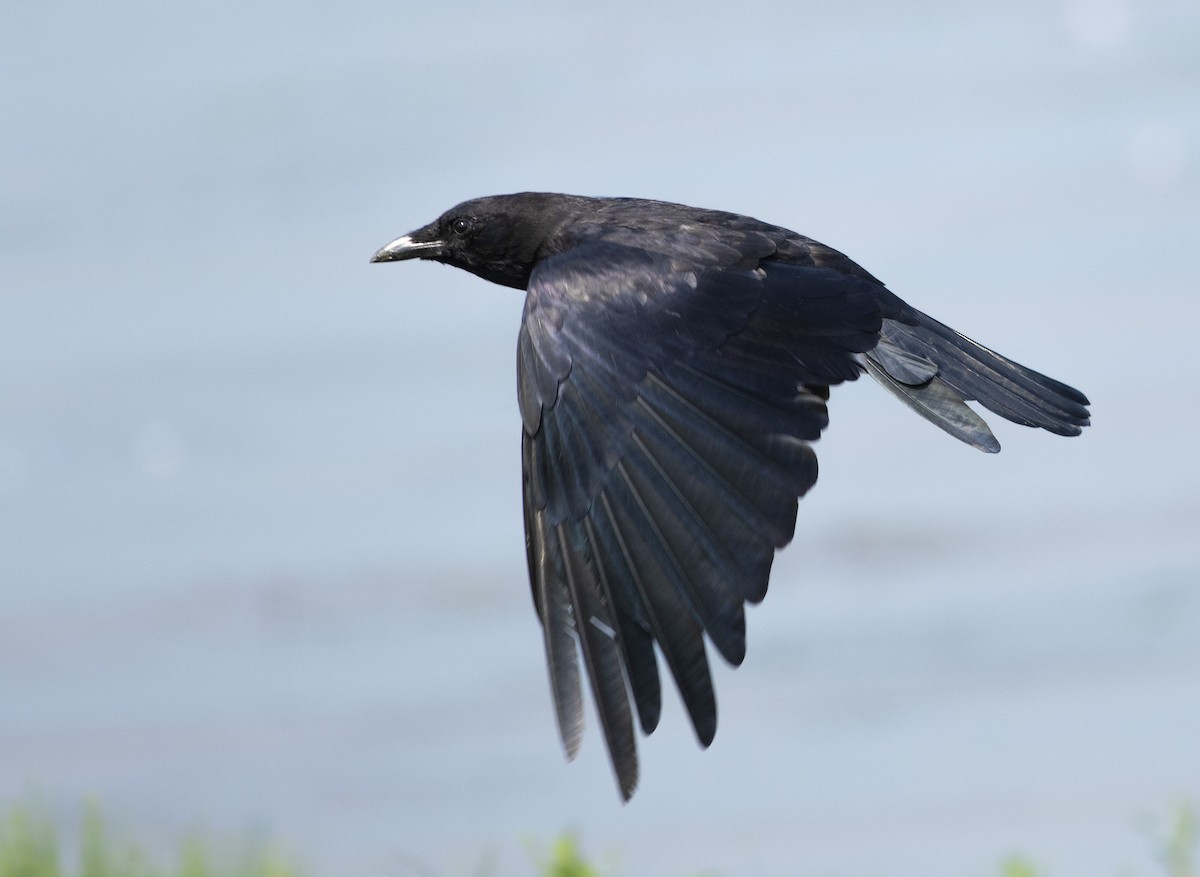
{"points": [[601, 656], [558, 631], [635, 640], [678, 634], [709, 578]]}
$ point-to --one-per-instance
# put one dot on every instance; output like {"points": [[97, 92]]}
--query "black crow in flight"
{"points": [[673, 366]]}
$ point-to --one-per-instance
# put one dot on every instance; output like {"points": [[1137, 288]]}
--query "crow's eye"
{"points": [[461, 225]]}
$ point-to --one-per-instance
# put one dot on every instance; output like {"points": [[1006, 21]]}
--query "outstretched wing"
{"points": [[668, 411]]}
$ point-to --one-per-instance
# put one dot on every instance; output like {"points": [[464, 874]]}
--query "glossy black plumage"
{"points": [[673, 365]]}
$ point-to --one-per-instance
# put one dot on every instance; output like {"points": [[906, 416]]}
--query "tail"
{"points": [[936, 371]]}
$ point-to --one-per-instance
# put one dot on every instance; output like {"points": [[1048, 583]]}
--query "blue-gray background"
{"points": [[261, 557]]}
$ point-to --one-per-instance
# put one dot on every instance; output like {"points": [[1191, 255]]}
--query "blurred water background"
{"points": [[261, 559]]}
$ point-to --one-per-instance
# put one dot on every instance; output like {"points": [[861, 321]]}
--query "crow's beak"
{"points": [[407, 248]]}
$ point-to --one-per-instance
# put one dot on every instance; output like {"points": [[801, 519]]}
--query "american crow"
{"points": [[673, 366]]}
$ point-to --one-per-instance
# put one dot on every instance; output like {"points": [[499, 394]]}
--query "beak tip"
{"points": [[407, 248]]}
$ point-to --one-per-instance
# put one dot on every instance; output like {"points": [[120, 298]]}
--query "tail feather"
{"points": [[935, 371]]}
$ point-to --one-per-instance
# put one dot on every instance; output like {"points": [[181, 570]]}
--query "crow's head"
{"points": [[499, 238]]}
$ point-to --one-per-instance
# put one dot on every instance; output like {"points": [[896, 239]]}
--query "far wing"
{"points": [[936, 371], [667, 411]]}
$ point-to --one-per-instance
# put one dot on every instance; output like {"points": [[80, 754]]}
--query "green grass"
{"points": [[30, 847], [1182, 841], [1176, 845], [1019, 866], [565, 860]]}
